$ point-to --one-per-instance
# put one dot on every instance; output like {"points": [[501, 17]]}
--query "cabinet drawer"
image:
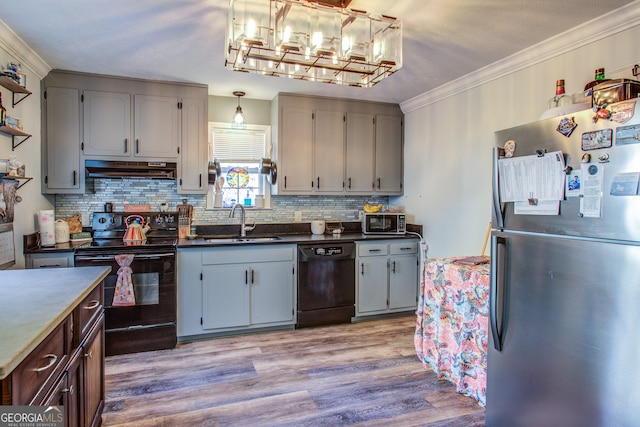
{"points": [[48, 261], [372, 249], [40, 368], [242, 255], [400, 248], [89, 310]]}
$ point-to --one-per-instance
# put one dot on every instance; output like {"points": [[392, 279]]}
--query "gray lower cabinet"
{"points": [[230, 289], [54, 260], [386, 277]]}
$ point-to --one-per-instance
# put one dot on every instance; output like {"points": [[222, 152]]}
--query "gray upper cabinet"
{"points": [[193, 178], [296, 150], [336, 146], [107, 124], [116, 118], [389, 155], [61, 166], [328, 153], [155, 127], [360, 152]]}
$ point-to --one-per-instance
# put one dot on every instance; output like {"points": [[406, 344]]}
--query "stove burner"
{"points": [[109, 229]]}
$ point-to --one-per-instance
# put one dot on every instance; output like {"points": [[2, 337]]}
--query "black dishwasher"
{"points": [[326, 284]]}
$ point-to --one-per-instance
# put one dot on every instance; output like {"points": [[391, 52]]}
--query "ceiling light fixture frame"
{"points": [[312, 41]]}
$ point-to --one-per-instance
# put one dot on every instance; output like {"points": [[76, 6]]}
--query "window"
{"points": [[239, 152]]}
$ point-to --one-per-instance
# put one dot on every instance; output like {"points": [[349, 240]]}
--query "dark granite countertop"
{"points": [[287, 233]]}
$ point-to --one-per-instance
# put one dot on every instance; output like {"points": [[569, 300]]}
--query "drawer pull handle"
{"points": [[53, 361], [374, 250], [94, 304], [406, 248]]}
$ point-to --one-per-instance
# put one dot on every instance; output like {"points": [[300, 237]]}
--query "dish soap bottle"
{"points": [[560, 99]]}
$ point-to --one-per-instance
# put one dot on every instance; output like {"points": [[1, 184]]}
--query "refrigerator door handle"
{"points": [[497, 205], [496, 292]]}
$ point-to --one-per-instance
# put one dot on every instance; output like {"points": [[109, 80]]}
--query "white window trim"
{"points": [[268, 154]]}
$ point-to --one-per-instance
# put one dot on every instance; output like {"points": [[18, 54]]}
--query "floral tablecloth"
{"points": [[452, 324]]}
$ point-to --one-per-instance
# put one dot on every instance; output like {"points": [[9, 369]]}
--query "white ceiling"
{"points": [[183, 40]]}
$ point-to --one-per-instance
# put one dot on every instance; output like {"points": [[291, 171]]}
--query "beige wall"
{"points": [[28, 153], [255, 111], [449, 133]]}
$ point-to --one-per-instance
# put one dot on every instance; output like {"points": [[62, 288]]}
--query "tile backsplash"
{"points": [[154, 192]]}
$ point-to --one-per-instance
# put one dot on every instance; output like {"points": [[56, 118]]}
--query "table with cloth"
{"points": [[452, 323]]}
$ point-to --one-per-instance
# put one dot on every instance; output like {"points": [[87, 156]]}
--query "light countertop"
{"points": [[34, 302]]}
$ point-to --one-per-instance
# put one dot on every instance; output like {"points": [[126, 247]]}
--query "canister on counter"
{"points": [[62, 231]]}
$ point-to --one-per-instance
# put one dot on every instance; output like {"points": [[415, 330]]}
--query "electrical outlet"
{"points": [[360, 215], [84, 219], [297, 216]]}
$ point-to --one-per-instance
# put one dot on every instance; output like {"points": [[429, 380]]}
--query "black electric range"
{"points": [[148, 321]]}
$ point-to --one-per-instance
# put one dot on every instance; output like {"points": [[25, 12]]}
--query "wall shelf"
{"points": [[19, 92], [15, 133], [17, 178]]}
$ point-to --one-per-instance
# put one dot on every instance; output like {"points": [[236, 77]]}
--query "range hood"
{"points": [[121, 169]]}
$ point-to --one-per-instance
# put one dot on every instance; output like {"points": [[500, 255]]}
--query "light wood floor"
{"points": [[365, 373]]}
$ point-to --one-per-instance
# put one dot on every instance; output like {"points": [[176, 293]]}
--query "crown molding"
{"points": [[18, 49], [584, 34]]}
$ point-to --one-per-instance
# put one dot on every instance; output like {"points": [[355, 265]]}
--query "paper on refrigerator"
{"points": [[534, 183]]}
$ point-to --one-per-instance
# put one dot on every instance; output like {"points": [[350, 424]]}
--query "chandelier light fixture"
{"points": [[238, 119], [312, 41]]}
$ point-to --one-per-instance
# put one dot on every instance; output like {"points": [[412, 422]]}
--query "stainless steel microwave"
{"points": [[384, 223]]}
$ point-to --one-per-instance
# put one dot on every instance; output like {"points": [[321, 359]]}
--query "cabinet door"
{"points": [[272, 292], [388, 154], [225, 296], [189, 292], [93, 375], [155, 127], [360, 153], [329, 151], [403, 282], [62, 141], [372, 284], [193, 177], [107, 124], [74, 409], [60, 396], [296, 150]]}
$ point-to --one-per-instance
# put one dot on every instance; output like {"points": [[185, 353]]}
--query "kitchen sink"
{"points": [[246, 239]]}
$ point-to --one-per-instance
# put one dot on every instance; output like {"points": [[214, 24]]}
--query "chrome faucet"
{"points": [[243, 228]]}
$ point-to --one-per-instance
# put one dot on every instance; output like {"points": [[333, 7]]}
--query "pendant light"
{"points": [[238, 119]]}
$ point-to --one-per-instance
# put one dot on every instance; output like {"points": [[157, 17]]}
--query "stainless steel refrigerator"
{"points": [[564, 345]]}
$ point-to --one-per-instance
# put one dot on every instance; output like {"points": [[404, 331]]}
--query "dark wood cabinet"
{"points": [[67, 367]]}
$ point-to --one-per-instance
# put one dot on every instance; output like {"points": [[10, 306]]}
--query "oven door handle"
{"points": [[96, 258]]}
